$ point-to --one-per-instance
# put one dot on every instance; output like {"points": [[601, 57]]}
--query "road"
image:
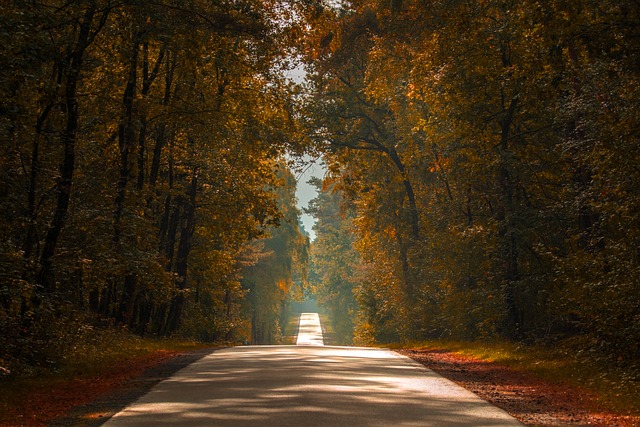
{"points": [[309, 330], [309, 385]]}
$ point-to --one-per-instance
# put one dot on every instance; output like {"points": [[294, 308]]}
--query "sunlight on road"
{"points": [[310, 386], [310, 330]]}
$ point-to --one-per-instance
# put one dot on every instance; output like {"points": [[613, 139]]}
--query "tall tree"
{"points": [[334, 263], [71, 69], [279, 269], [499, 112]]}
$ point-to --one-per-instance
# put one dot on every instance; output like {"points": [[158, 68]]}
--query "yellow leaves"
{"points": [[390, 231]]}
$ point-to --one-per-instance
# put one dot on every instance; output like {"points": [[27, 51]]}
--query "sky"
{"points": [[315, 168], [306, 192]]}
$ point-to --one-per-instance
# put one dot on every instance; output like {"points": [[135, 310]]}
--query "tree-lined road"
{"points": [[309, 385]]}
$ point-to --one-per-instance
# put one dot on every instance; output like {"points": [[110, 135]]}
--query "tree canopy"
{"points": [[141, 150], [482, 177], [488, 151]]}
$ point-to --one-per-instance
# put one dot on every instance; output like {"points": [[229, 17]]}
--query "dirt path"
{"points": [[533, 401]]}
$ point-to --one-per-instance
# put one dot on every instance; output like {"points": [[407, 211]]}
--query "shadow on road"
{"points": [[309, 386]]}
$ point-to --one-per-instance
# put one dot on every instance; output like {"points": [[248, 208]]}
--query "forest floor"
{"points": [[90, 400], [529, 398]]}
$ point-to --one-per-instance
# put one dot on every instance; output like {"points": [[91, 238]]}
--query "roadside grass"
{"points": [[94, 359], [615, 387], [101, 352]]}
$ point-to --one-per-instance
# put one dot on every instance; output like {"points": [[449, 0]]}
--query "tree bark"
{"points": [[182, 257], [125, 141], [161, 132], [408, 188], [30, 237], [507, 233], [148, 78], [45, 280]]}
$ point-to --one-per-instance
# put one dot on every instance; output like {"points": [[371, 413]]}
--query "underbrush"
{"points": [[60, 347], [77, 351], [617, 387], [70, 343]]}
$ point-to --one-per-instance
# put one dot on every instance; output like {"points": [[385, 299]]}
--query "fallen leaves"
{"points": [[533, 401]]}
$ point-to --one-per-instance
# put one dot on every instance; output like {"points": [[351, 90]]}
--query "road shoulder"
{"points": [[104, 407], [533, 401]]}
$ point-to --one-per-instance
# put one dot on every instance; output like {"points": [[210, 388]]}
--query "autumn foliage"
{"points": [[488, 152], [140, 150], [482, 170]]}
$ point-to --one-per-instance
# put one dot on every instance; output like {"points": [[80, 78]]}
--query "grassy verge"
{"points": [[103, 353], [616, 388]]}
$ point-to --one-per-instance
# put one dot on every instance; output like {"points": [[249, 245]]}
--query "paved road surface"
{"points": [[309, 330], [309, 385]]}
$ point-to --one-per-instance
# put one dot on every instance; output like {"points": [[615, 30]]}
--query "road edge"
{"points": [[99, 411]]}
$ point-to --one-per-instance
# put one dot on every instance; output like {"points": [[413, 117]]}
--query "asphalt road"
{"points": [[308, 385], [309, 330]]}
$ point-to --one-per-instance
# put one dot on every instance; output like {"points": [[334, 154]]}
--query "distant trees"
{"points": [[487, 149], [334, 263], [278, 272]]}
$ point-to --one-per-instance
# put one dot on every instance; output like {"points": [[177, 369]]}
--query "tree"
{"points": [[279, 270], [334, 262], [499, 111], [164, 121]]}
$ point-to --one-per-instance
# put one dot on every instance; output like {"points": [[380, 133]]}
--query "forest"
{"points": [[482, 174]]}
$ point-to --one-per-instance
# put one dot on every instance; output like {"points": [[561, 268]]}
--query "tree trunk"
{"points": [[506, 231], [145, 313], [94, 301], [161, 132], [147, 80], [414, 220], [169, 221], [45, 280], [125, 309], [182, 257], [172, 233], [409, 276], [30, 237], [125, 141], [142, 135]]}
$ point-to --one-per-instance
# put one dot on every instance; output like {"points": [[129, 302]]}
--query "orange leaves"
{"points": [[439, 165]]}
